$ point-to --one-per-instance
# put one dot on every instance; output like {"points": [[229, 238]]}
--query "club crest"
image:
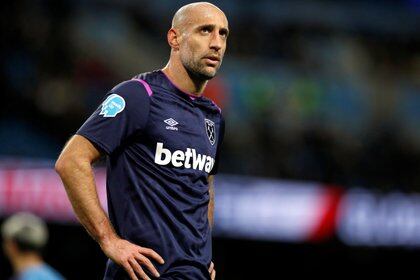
{"points": [[210, 130]]}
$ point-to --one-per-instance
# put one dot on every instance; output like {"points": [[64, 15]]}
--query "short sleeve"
{"points": [[123, 112], [215, 168]]}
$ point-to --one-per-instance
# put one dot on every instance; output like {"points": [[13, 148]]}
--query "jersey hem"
{"points": [[95, 142]]}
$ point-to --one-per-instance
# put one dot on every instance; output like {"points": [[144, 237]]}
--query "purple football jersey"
{"points": [[161, 145]]}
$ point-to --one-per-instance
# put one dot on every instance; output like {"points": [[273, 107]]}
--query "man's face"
{"points": [[203, 42]]}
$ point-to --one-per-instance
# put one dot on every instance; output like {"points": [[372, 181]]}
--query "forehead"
{"points": [[207, 16]]}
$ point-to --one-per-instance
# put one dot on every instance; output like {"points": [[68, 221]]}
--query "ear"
{"points": [[173, 39]]}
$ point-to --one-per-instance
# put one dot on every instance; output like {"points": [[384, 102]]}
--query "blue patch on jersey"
{"points": [[113, 105]]}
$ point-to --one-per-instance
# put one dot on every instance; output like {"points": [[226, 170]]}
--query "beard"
{"points": [[197, 70]]}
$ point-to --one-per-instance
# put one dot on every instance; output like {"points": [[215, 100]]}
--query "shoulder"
{"points": [[132, 88], [150, 78], [220, 116], [129, 94], [217, 108], [212, 106]]}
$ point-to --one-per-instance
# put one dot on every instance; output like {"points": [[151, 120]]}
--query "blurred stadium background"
{"points": [[321, 160]]}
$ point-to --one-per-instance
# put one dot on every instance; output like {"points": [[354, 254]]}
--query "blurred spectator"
{"points": [[24, 237]]}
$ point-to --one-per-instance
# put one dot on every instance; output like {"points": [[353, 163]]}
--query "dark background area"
{"points": [[311, 90]]}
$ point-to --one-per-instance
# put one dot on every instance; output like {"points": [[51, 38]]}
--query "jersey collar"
{"points": [[172, 87], [200, 101]]}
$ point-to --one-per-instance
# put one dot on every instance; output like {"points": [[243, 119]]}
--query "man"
{"points": [[24, 237], [162, 139]]}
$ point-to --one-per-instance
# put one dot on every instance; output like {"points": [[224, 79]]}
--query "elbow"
{"points": [[64, 163], [60, 165], [67, 163]]}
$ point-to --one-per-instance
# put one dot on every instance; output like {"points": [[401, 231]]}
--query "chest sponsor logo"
{"points": [[113, 105], [210, 130], [188, 159], [171, 124]]}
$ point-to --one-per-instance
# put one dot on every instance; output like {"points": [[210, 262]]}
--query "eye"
{"points": [[205, 30], [224, 33]]}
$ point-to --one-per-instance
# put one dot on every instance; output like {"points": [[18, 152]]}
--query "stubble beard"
{"points": [[196, 70]]}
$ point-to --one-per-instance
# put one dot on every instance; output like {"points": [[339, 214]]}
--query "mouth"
{"points": [[212, 59]]}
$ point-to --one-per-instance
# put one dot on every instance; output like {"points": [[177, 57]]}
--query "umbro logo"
{"points": [[171, 124]]}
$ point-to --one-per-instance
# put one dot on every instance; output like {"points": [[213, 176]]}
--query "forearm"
{"points": [[211, 201], [78, 179]]}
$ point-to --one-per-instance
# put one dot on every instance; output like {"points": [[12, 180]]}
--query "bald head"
{"points": [[189, 14]]}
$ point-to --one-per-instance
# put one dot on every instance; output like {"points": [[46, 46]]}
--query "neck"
{"points": [[23, 262], [178, 75]]}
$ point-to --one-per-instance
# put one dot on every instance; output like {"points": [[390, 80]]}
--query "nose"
{"points": [[216, 42]]}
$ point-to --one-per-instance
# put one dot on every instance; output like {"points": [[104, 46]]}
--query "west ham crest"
{"points": [[210, 130]]}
